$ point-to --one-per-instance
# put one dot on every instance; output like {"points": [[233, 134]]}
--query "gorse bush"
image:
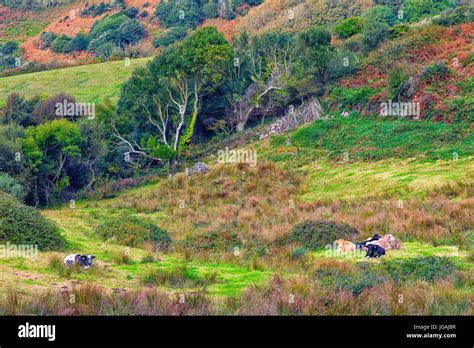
{"points": [[133, 232], [428, 268], [57, 46], [317, 234], [214, 241], [23, 225], [349, 27]]}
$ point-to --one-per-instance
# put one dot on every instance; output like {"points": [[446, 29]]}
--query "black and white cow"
{"points": [[78, 259]]}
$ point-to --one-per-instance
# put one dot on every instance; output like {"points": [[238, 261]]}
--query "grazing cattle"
{"points": [[383, 243], [344, 246], [394, 243], [78, 259], [374, 250], [368, 240]]}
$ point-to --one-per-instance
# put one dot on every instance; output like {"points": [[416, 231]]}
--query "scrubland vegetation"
{"points": [[253, 235]]}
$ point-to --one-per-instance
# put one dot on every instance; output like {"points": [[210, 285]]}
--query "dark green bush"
{"points": [[46, 39], [351, 97], [414, 10], [381, 14], [21, 225], [428, 268], [317, 234], [57, 46], [8, 47], [130, 12], [434, 72], [78, 43], [373, 35], [349, 27], [215, 241], [169, 37], [133, 232], [364, 277]]}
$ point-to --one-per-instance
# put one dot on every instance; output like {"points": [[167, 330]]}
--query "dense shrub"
{"points": [[106, 24], [186, 13], [215, 241], [57, 46], [133, 232], [349, 27], [21, 225], [11, 186], [7, 55], [383, 14], [356, 280], [343, 63], [351, 97], [317, 234], [8, 47], [46, 39], [428, 268], [457, 16], [414, 10], [434, 72], [46, 110], [169, 37], [130, 12], [78, 43], [373, 35]]}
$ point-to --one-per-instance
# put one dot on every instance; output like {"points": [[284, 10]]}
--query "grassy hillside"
{"points": [[88, 83], [422, 199]]}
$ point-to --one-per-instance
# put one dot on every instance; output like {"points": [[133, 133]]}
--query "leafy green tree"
{"points": [[315, 45], [164, 99], [47, 149]]}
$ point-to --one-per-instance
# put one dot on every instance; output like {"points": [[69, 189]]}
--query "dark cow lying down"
{"points": [[373, 249], [78, 259]]}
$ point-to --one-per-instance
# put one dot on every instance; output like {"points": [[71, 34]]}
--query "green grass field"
{"points": [[88, 83], [433, 220]]}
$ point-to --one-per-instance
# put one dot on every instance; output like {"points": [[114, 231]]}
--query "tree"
{"points": [[47, 149], [265, 66], [165, 97], [315, 46]]}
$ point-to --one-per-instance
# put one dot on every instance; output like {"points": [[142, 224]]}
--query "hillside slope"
{"points": [[91, 83]]}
